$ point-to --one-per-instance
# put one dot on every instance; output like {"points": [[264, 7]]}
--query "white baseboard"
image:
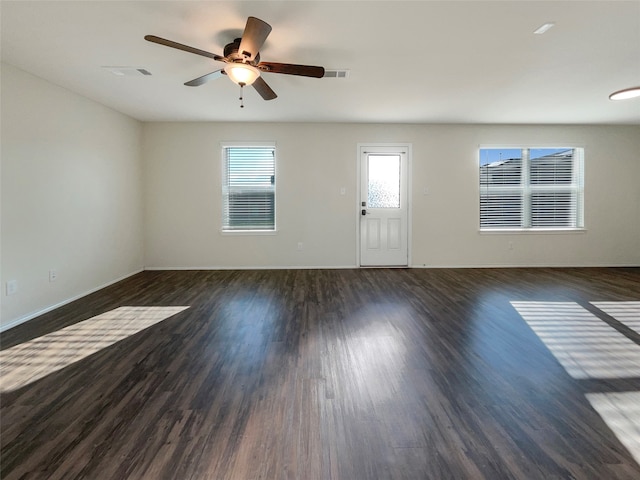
{"points": [[32, 315], [343, 267], [270, 267], [590, 265]]}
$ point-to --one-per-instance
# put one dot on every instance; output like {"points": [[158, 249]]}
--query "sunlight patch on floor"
{"points": [[589, 348], [627, 313], [585, 346], [621, 412], [33, 360]]}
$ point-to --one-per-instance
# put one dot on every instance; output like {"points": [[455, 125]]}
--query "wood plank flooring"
{"points": [[323, 374]]}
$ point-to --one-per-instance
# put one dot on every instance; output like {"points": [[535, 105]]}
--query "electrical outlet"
{"points": [[12, 287], [300, 246], [53, 275], [510, 246]]}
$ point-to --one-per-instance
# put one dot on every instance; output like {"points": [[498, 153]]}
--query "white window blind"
{"points": [[531, 188], [248, 188]]}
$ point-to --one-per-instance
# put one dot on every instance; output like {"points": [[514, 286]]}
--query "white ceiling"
{"points": [[409, 61]]}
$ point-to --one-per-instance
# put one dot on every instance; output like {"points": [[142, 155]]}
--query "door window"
{"points": [[384, 181]]}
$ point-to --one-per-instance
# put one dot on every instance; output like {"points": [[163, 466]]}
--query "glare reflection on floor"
{"points": [[33, 360], [627, 313], [621, 412], [375, 354], [585, 346]]}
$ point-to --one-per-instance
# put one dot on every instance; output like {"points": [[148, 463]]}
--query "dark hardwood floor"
{"points": [[322, 374]]}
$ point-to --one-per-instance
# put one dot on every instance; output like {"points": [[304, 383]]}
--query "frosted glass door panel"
{"points": [[384, 181]]}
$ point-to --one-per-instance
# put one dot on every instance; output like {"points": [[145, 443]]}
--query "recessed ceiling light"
{"points": [[625, 94], [543, 28]]}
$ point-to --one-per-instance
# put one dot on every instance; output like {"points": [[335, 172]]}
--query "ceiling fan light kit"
{"points": [[242, 58], [242, 73]]}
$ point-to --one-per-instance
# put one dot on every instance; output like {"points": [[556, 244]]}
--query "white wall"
{"points": [[75, 199], [183, 202], [71, 195]]}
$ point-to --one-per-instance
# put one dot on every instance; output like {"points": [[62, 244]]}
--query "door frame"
{"points": [[361, 148]]}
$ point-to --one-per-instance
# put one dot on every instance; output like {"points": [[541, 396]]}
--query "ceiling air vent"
{"points": [[336, 74], [128, 71]]}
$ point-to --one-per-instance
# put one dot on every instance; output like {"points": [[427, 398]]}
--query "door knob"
{"points": [[364, 212]]}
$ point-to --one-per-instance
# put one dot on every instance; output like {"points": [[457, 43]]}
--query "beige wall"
{"points": [[183, 207], [71, 195], [98, 196]]}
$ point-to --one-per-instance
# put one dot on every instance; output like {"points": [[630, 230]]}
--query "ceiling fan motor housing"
{"points": [[232, 48], [232, 53]]}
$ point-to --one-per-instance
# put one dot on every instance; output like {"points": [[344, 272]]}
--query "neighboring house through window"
{"points": [[248, 188], [531, 189]]}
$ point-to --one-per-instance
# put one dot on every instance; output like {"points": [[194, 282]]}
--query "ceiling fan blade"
{"points": [[255, 33], [263, 89], [204, 79], [292, 69], [179, 46]]}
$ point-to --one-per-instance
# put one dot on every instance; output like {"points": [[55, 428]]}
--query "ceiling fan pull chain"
{"points": [[241, 95]]}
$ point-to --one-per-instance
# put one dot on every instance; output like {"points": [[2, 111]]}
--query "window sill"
{"points": [[248, 232], [534, 231]]}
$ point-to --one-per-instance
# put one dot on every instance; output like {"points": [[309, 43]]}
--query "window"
{"points": [[531, 188], [248, 188]]}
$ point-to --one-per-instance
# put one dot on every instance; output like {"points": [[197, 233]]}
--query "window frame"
{"points": [[526, 188], [224, 193]]}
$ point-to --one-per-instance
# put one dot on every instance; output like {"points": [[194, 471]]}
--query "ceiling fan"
{"points": [[242, 58]]}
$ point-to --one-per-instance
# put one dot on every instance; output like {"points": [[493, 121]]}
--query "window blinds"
{"points": [[248, 188], [500, 194], [531, 188]]}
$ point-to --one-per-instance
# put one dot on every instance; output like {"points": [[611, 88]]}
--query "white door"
{"points": [[383, 206]]}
